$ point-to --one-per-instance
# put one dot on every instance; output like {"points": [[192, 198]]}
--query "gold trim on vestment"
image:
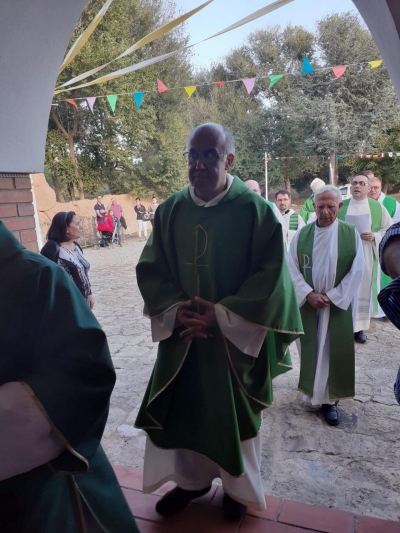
{"points": [[330, 399], [80, 518], [237, 378], [255, 323], [57, 432], [163, 389]]}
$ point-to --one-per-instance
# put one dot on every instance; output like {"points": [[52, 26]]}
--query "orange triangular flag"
{"points": [[219, 83], [72, 102], [190, 90], [161, 87], [339, 71]]}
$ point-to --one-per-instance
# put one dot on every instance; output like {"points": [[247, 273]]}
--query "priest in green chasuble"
{"points": [[307, 211], [393, 208], [371, 219], [326, 262], [221, 302], [56, 379]]}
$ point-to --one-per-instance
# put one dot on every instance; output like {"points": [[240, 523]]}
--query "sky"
{"points": [[222, 13]]}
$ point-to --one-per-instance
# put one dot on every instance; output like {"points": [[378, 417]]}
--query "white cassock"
{"points": [[191, 470], [371, 251], [281, 221], [324, 263], [290, 232], [396, 216]]}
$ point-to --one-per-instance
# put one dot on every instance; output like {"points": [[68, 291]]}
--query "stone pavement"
{"points": [[354, 467]]}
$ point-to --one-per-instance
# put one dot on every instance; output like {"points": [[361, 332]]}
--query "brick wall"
{"points": [[16, 208]]}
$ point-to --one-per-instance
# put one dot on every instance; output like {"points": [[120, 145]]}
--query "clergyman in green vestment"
{"points": [[56, 378], [222, 304], [326, 261], [307, 211]]}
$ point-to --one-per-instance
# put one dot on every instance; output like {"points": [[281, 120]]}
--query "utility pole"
{"points": [[266, 174]]}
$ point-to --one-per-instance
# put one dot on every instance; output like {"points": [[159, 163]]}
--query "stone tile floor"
{"points": [[354, 468]]}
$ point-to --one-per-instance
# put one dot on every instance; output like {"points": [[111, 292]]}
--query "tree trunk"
{"points": [[287, 179], [333, 169], [385, 188], [71, 191], [57, 188], [79, 181]]}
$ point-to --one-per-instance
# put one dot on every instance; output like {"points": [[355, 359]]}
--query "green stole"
{"points": [[376, 224], [307, 208], [294, 222], [341, 348], [390, 203]]}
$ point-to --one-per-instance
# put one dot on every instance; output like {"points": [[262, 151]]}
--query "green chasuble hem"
{"points": [[341, 358]]}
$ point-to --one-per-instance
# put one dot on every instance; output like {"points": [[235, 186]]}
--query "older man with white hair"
{"points": [[326, 262], [371, 220]]}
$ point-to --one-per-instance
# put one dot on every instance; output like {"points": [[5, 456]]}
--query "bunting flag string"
{"points": [[112, 100], [339, 71], [138, 97], [249, 84], [90, 101], [379, 155], [190, 90], [161, 87]]}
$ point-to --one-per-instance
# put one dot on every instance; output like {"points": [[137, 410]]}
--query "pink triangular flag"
{"points": [[72, 102], [161, 87], [249, 84], [91, 100], [339, 71]]}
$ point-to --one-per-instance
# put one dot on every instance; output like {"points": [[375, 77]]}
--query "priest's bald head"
{"points": [[327, 204], [254, 186], [210, 155]]}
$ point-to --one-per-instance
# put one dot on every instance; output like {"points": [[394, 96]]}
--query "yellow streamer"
{"points": [[83, 38], [138, 66], [375, 64], [146, 40], [190, 90]]}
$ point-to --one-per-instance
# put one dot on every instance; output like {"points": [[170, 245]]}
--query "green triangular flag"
{"points": [[274, 79], [112, 100]]}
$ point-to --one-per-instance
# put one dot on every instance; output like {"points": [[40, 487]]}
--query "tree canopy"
{"points": [[302, 116]]}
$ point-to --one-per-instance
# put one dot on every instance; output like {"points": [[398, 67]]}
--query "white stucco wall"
{"points": [[34, 35]]}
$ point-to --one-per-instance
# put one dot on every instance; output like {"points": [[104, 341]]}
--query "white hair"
{"points": [[328, 188]]}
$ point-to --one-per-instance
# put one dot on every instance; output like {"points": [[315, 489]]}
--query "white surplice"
{"points": [[291, 232], [371, 251], [191, 470], [324, 264]]}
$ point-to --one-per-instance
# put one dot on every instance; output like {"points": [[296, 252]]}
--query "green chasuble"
{"points": [[390, 203], [307, 209], [207, 396], [376, 224], [51, 342], [341, 337]]}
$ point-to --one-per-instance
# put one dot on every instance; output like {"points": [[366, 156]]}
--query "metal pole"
{"points": [[266, 175]]}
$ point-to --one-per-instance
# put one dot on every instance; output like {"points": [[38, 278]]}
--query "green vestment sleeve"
{"points": [[307, 209], [208, 396]]}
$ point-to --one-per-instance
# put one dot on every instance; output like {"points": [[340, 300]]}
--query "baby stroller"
{"points": [[108, 233]]}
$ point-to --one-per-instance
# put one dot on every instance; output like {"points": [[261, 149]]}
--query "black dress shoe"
{"points": [[360, 337], [233, 510], [177, 499], [331, 414]]}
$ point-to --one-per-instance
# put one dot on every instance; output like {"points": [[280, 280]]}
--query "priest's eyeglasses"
{"points": [[361, 183], [208, 156]]}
